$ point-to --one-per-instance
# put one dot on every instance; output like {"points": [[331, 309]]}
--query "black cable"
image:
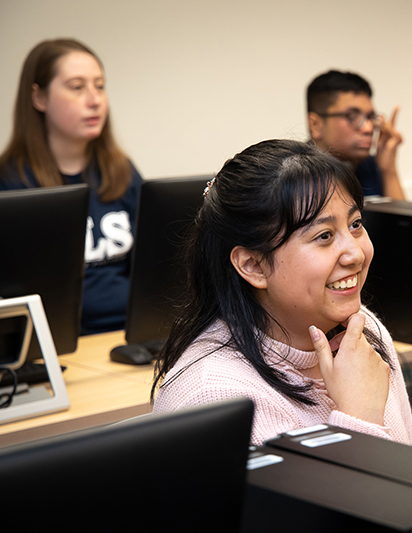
{"points": [[9, 396]]}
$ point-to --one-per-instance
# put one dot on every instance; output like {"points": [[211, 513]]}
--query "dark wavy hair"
{"points": [[257, 201]]}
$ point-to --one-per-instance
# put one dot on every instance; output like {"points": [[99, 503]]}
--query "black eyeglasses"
{"points": [[357, 119]]}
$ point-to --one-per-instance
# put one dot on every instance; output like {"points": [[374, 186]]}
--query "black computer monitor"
{"points": [[388, 288], [167, 209], [182, 471], [42, 239]]}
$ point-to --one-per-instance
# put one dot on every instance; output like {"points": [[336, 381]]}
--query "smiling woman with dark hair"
{"points": [[276, 261]]}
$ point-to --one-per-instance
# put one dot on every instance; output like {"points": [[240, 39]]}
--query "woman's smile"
{"points": [[344, 284]]}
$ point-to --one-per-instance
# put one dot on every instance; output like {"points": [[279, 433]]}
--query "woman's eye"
{"points": [[325, 236], [357, 224], [100, 84]]}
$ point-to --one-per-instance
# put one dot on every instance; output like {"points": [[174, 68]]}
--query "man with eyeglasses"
{"points": [[342, 120]]}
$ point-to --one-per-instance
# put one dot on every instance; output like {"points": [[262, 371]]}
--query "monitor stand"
{"points": [[25, 394], [36, 403]]}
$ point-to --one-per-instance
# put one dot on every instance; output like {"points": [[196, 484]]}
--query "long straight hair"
{"points": [[257, 201], [28, 144]]}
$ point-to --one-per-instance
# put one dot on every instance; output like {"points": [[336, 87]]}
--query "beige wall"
{"points": [[191, 82]]}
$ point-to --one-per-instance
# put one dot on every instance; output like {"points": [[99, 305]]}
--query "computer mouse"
{"points": [[131, 354]]}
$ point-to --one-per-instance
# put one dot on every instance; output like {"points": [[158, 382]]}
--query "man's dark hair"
{"points": [[323, 91]]}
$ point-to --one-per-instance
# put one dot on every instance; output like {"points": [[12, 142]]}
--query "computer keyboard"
{"points": [[30, 373]]}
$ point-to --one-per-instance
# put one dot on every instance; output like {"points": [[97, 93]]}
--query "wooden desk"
{"points": [[100, 392], [404, 349]]}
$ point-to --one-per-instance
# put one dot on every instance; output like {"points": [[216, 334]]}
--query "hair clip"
{"points": [[208, 187]]}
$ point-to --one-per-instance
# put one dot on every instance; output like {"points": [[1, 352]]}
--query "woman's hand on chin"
{"points": [[357, 378]]}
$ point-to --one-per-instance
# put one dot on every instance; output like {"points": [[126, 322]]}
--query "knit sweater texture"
{"points": [[207, 372]]}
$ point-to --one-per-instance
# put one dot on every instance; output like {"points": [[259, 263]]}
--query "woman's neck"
{"points": [[295, 338], [71, 158]]}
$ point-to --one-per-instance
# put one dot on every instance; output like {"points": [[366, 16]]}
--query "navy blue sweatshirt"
{"points": [[109, 240]]}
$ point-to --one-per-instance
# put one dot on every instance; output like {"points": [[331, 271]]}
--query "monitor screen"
{"points": [[167, 208], [181, 471], [388, 289], [42, 248]]}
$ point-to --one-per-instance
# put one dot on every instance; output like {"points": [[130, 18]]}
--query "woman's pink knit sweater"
{"points": [[214, 375]]}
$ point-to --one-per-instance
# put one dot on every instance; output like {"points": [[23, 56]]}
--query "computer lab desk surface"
{"points": [[100, 392]]}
